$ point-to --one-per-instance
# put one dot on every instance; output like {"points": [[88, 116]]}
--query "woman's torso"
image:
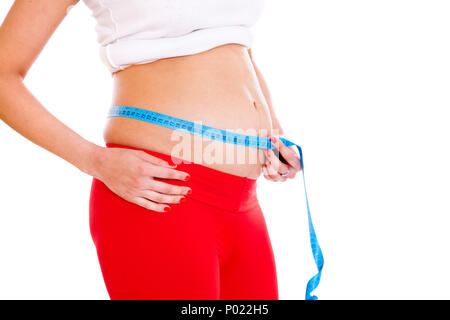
{"points": [[218, 88]]}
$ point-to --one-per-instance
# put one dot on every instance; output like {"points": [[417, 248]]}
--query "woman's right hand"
{"points": [[129, 173]]}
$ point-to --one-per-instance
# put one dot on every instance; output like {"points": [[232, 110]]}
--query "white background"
{"points": [[362, 86]]}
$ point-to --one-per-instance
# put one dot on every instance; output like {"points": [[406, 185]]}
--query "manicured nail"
{"points": [[187, 178], [182, 200], [167, 209], [171, 164], [189, 191]]}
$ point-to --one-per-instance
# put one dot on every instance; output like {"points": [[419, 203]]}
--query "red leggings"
{"points": [[215, 245]]}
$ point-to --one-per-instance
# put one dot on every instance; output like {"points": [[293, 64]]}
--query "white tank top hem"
{"points": [[142, 31]]}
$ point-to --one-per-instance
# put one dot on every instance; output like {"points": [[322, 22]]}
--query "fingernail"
{"points": [[171, 164], [182, 200], [167, 209], [187, 178], [189, 191], [273, 139]]}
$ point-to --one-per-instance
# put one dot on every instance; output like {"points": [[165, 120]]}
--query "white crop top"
{"points": [[141, 31]]}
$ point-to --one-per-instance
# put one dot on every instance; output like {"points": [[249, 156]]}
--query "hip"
{"points": [[218, 201]]}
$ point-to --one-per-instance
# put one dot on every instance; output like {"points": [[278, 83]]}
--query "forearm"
{"points": [[23, 112], [265, 90]]}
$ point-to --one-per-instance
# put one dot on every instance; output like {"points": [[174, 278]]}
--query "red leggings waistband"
{"points": [[216, 188]]}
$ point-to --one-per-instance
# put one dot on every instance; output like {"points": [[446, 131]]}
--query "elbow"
{"points": [[11, 70], [8, 81], [8, 75], [21, 74]]}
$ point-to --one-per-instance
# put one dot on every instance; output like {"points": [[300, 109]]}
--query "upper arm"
{"points": [[25, 31]]}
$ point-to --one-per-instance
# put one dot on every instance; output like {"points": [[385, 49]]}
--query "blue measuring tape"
{"points": [[235, 138]]}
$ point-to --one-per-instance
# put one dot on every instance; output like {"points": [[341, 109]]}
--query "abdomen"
{"points": [[217, 88]]}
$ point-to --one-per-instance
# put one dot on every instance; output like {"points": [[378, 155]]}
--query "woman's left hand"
{"points": [[274, 169]]}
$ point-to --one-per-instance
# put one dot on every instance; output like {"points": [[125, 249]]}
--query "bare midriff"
{"points": [[218, 88]]}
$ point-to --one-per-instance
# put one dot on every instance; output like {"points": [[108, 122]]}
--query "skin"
{"points": [[221, 87]]}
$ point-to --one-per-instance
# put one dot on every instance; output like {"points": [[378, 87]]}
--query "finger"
{"points": [[165, 173], [155, 160], [151, 205], [276, 163], [163, 187], [291, 174], [160, 197], [287, 153], [265, 172], [273, 174]]}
